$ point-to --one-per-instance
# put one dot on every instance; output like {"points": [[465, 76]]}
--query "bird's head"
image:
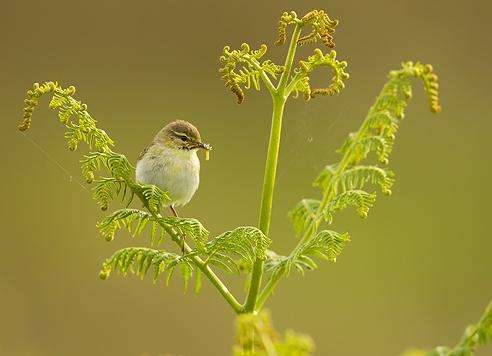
{"points": [[182, 135]]}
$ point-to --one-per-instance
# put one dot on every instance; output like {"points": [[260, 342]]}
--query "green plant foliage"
{"points": [[237, 249], [142, 260], [251, 71], [343, 183], [475, 335], [243, 69], [350, 182], [255, 336], [322, 28], [300, 80], [81, 127], [327, 245], [304, 213], [346, 183], [357, 177], [115, 163]]}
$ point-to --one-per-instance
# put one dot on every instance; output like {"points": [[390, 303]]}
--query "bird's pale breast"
{"points": [[176, 171]]}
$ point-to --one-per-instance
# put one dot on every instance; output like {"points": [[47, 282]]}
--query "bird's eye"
{"points": [[183, 138]]}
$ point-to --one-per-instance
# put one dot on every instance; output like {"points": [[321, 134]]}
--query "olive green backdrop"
{"points": [[418, 269]]}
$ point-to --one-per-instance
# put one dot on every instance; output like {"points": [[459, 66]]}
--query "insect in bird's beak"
{"points": [[207, 147]]}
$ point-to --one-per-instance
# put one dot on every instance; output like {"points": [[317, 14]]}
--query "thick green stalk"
{"points": [[279, 100], [267, 198]]}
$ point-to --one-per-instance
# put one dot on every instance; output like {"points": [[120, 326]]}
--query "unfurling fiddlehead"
{"points": [[243, 69], [323, 28], [287, 18], [300, 81]]}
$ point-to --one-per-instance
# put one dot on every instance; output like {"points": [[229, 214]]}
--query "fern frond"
{"points": [[243, 69], [125, 218], [479, 334], [32, 100], [135, 221], [300, 80], [115, 163], [426, 73], [140, 260], [106, 189], [476, 335], [307, 212], [326, 244], [342, 182], [189, 227], [303, 214], [287, 18], [357, 177], [323, 28], [68, 108], [361, 200], [243, 243], [302, 86], [152, 196]]}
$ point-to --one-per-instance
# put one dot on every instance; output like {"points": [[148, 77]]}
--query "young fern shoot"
{"points": [[241, 67], [343, 183]]}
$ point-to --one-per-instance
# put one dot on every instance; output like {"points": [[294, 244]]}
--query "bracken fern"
{"points": [[350, 182]]}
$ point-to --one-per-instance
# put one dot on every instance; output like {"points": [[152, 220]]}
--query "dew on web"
{"points": [[301, 137]]}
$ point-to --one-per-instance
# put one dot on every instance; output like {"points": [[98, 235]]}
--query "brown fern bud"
{"points": [[236, 90], [285, 20], [307, 39], [71, 90], [310, 16]]}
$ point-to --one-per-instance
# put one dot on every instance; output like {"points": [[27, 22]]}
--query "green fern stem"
{"points": [[279, 99]]}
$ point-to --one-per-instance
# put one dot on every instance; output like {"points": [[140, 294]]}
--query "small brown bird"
{"points": [[171, 162]]}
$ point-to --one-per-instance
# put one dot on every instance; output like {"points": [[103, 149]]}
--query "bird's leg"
{"points": [[175, 213]]}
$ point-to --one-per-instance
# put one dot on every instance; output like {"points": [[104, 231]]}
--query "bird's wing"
{"points": [[144, 151]]}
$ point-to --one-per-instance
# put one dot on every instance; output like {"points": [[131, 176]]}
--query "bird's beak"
{"points": [[204, 145]]}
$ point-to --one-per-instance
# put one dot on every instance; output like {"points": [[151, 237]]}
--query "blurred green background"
{"points": [[418, 269]]}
